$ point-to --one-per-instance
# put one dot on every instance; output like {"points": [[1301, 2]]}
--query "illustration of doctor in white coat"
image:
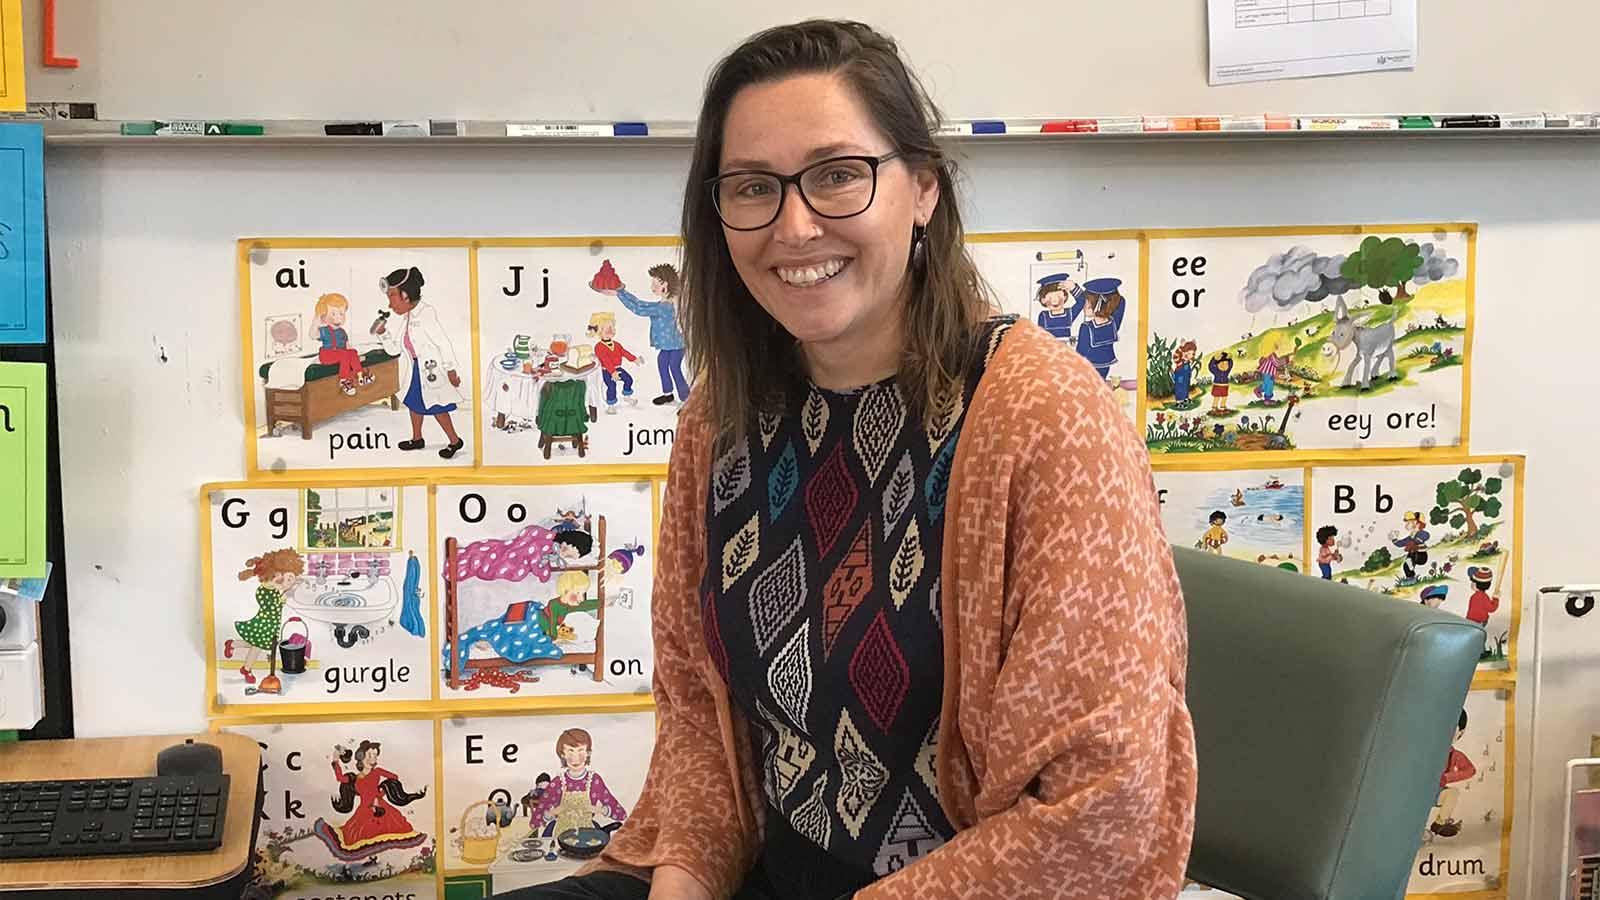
{"points": [[428, 361]]}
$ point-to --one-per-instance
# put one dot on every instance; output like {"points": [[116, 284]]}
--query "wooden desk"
{"points": [[127, 758]]}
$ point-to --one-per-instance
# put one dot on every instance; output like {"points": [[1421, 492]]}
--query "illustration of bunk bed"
{"points": [[518, 623]]}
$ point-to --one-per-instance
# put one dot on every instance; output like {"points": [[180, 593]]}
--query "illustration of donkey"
{"points": [[1374, 344]]}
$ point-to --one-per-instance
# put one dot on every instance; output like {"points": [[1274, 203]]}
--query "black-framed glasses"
{"points": [[835, 188]]}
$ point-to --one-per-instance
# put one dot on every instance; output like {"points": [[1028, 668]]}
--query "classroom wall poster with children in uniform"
{"points": [[1084, 289]]}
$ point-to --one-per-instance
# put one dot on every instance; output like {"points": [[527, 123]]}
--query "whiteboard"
{"points": [[146, 320], [631, 60]]}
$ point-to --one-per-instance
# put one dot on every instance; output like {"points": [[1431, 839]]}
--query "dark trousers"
{"points": [[805, 871], [617, 886]]}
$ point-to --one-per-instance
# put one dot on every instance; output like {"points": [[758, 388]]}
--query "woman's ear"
{"points": [[927, 184]]}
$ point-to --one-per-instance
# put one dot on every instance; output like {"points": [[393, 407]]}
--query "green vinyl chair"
{"points": [[1323, 715]]}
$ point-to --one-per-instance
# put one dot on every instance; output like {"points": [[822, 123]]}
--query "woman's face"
{"points": [[369, 758], [398, 302], [782, 126], [576, 756]]}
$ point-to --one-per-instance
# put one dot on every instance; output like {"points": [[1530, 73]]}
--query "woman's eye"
{"points": [[839, 176], [753, 189]]}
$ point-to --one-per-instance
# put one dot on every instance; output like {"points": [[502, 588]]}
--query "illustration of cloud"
{"points": [[1436, 266], [1293, 276]]}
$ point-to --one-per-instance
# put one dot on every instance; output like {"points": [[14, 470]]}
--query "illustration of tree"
{"points": [[1464, 500], [1379, 558], [1384, 263]]}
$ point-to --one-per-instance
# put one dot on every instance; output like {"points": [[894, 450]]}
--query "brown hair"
{"points": [[1186, 348], [272, 564], [1047, 289], [744, 359], [574, 737], [1107, 304], [668, 274]]}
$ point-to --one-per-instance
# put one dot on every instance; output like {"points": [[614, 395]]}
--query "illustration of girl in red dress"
{"points": [[373, 795]]}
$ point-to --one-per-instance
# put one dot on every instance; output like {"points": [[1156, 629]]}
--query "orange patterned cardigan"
{"points": [[1066, 756]]}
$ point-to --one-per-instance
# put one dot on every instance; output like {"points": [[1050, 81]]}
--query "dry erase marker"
{"points": [[1068, 126], [1242, 123], [1350, 123], [1207, 123], [1418, 122], [976, 126], [1557, 120], [1522, 121], [1478, 121], [406, 128], [1119, 124], [191, 127], [1583, 120], [1169, 123], [1280, 123], [558, 129], [346, 129]]}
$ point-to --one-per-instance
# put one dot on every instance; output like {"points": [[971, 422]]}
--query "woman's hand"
{"points": [[673, 883], [455, 380]]}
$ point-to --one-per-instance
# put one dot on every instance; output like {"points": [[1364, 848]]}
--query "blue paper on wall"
{"points": [[21, 234]]}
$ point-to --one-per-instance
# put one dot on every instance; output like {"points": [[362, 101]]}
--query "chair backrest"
{"points": [[1323, 716]]}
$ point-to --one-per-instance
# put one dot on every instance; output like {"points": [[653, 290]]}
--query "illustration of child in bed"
{"points": [[572, 589], [332, 310], [571, 545]]}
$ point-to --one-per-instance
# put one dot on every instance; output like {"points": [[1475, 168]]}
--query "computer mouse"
{"points": [[189, 758]]}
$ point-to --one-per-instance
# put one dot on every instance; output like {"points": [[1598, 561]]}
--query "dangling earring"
{"points": [[919, 239]]}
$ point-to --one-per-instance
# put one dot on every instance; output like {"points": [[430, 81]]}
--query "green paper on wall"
{"points": [[22, 470]]}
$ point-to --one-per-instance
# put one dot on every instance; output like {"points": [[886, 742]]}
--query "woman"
{"points": [[372, 796], [425, 350], [917, 629]]}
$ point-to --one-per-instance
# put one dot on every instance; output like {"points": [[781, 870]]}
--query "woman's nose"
{"points": [[796, 222]]}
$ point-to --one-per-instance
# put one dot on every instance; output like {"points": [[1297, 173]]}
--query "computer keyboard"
{"points": [[112, 816]]}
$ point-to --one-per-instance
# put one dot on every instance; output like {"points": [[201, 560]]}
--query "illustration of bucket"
{"points": [[295, 649], [480, 840]]}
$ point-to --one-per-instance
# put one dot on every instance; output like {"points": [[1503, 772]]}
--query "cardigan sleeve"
{"points": [[687, 813], [1072, 713]]}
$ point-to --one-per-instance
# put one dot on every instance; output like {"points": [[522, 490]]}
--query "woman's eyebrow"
{"points": [[822, 152]]}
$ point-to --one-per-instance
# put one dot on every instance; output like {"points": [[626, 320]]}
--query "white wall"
{"points": [[628, 59], [146, 302], [147, 324]]}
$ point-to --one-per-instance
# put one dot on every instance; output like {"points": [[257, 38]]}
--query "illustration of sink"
{"points": [[347, 601]]}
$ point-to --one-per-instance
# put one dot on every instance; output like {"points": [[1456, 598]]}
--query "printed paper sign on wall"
{"points": [[317, 594], [529, 798], [349, 809], [357, 356], [1444, 535], [1466, 840], [1083, 288], [583, 359], [544, 589], [1308, 340], [1250, 514]]}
